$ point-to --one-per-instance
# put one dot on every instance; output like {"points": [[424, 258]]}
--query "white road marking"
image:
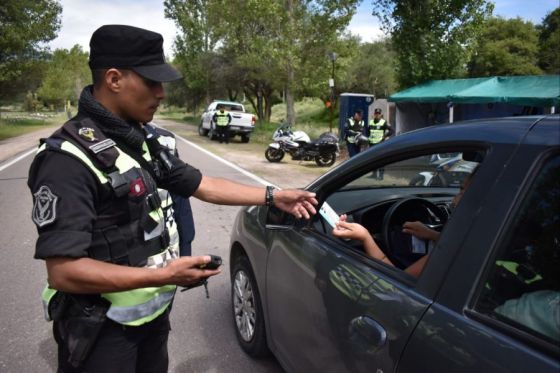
{"points": [[15, 160], [228, 163], [220, 159]]}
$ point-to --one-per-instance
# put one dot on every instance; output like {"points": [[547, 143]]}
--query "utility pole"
{"points": [[332, 57]]}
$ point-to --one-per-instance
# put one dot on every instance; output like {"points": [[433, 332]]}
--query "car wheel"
{"points": [[245, 138], [248, 316], [273, 154], [212, 133], [202, 131], [325, 159]]}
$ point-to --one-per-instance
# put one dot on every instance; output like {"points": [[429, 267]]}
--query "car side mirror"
{"points": [[277, 219]]}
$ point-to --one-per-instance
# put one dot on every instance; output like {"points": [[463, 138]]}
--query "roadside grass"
{"points": [[16, 123], [311, 117]]}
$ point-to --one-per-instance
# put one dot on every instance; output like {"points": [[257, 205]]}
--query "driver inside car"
{"points": [[358, 232]]}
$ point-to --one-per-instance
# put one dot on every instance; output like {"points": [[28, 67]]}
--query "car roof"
{"points": [[493, 130], [472, 133]]}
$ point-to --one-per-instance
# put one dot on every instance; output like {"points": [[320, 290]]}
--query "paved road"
{"points": [[202, 337]]}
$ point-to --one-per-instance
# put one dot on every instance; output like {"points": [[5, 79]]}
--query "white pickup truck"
{"points": [[242, 123]]}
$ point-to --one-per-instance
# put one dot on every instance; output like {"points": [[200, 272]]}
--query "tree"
{"points": [[67, 73], [372, 69], [194, 46], [549, 43], [433, 39], [24, 25], [263, 47], [506, 47]]}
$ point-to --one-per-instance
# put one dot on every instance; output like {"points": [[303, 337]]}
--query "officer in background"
{"points": [[182, 211], [101, 189], [379, 129], [353, 128], [222, 119]]}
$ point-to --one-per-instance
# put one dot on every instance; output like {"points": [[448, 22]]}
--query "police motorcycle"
{"points": [[447, 172], [298, 144]]}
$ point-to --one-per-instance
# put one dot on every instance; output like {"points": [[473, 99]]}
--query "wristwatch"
{"points": [[269, 196]]}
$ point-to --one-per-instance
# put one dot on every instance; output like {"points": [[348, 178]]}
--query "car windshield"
{"points": [[433, 170]]}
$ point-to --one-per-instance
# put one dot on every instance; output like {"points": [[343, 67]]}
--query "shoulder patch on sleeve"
{"points": [[44, 208]]}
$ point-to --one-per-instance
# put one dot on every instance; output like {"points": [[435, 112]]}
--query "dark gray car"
{"points": [[488, 297]]}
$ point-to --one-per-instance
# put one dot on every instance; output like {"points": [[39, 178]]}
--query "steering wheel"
{"points": [[398, 245]]}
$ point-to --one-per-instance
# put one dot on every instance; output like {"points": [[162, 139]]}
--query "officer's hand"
{"points": [[296, 202], [185, 270]]}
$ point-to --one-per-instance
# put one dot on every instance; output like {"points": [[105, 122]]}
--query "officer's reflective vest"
{"points": [[152, 239], [376, 131], [222, 118], [356, 127]]}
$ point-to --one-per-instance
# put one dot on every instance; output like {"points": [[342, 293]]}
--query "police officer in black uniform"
{"points": [[101, 192]]}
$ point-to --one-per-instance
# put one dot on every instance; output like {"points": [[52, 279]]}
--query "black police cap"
{"points": [[377, 111], [128, 47]]}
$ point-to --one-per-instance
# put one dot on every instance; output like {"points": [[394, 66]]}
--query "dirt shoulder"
{"points": [[286, 174]]}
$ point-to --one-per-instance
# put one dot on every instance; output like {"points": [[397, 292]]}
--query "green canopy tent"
{"points": [[441, 101]]}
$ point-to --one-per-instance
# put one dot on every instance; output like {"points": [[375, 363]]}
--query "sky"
{"points": [[80, 18]]}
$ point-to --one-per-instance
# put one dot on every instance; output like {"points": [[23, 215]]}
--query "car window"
{"points": [[432, 170], [522, 285], [421, 190], [231, 107]]}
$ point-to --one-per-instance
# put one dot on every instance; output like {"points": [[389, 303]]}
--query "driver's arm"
{"points": [[358, 232], [419, 230]]}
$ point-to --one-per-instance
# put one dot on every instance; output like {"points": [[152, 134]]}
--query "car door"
{"points": [[499, 307], [331, 310]]}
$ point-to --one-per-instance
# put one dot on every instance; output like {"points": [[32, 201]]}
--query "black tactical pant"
{"points": [[223, 133], [121, 349]]}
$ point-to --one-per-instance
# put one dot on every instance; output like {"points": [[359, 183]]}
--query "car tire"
{"points": [[248, 316], [245, 138], [201, 130], [212, 133]]}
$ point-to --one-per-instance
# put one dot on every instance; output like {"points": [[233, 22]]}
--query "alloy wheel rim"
{"points": [[244, 306]]}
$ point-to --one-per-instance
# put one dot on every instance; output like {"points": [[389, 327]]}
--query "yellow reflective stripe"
{"points": [[74, 150], [375, 136], [222, 119], [139, 306], [157, 215], [125, 162], [46, 296], [146, 152]]}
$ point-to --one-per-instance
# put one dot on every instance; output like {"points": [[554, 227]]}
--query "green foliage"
{"points": [[506, 47], [259, 48], [24, 25], [194, 48], [433, 39], [15, 123], [67, 73], [372, 69], [549, 43]]}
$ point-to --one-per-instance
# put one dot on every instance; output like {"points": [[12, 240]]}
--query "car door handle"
{"points": [[366, 330]]}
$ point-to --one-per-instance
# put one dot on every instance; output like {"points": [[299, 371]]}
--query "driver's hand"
{"points": [[354, 231], [419, 230]]}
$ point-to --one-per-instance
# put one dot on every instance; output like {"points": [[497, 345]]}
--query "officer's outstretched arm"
{"points": [[90, 276], [299, 203]]}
